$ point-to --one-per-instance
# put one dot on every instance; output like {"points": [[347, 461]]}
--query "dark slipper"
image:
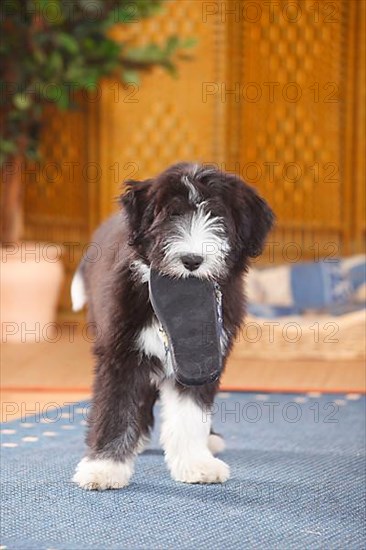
{"points": [[189, 311]]}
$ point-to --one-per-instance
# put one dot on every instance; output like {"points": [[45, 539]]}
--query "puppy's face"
{"points": [[196, 221]]}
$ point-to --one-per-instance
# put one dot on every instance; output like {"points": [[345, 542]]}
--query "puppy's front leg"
{"points": [[120, 417], [185, 436]]}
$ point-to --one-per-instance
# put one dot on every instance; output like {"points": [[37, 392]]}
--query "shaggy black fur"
{"points": [[119, 303]]}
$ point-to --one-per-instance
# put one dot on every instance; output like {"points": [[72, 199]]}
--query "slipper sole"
{"points": [[188, 312]]}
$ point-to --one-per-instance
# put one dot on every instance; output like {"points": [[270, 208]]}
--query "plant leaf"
{"points": [[130, 77], [22, 101]]}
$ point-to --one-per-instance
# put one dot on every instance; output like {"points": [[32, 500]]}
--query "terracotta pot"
{"points": [[31, 278]]}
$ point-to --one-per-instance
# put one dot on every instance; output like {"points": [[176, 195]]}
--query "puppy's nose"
{"points": [[192, 261]]}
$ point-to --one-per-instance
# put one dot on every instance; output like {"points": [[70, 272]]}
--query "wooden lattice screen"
{"points": [[293, 128], [273, 92]]}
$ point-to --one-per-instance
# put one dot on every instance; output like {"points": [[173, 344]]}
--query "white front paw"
{"points": [[201, 470], [101, 474]]}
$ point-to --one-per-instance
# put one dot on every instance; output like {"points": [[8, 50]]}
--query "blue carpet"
{"points": [[297, 465]]}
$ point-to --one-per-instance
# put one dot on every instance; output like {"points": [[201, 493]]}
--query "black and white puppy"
{"points": [[188, 211]]}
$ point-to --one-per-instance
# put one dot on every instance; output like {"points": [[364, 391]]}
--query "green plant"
{"points": [[50, 48]]}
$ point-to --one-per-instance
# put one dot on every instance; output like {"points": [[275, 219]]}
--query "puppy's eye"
{"points": [[175, 213]]}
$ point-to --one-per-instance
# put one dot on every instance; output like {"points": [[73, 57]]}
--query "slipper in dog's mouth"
{"points": [[189, 311]]}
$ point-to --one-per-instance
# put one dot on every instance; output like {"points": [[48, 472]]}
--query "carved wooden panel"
{"points": [[163, 120], [57, 186], [60, 189], [357, 164], [290, 118]]}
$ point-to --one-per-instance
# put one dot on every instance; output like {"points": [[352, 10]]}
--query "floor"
{"points": [[36, 374], [297, 482]]}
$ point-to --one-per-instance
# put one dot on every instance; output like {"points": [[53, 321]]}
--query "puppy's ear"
{"points": [[254, 221], [138, 207]]}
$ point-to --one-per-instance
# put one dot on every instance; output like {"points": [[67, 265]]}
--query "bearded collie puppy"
{"points": [[191, 220]]}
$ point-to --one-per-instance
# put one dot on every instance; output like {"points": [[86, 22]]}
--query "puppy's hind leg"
{"points": [[216, 443], [149, 416]]}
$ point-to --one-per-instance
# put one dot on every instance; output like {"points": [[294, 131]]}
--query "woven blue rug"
{"points": [[297, 466]]}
